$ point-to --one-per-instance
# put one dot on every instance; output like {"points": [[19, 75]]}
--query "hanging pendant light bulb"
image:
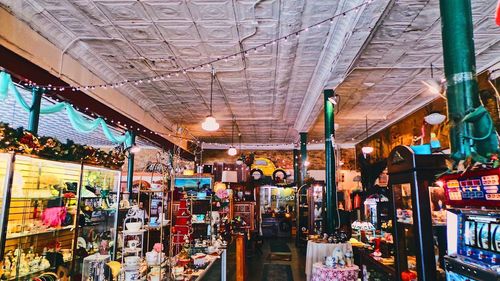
{"points": [[210, 124], [239, 161], [232, 150], [366, 149]]}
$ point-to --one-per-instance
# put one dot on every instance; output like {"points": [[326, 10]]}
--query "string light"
{"points": [[200, 66]]}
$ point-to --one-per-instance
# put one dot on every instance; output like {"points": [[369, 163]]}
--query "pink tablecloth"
{"points": [[316, 252], [322, 273]]}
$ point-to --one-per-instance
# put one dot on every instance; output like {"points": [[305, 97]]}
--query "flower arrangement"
{"points": [[158, 247], [24, 142], [221, 198]]}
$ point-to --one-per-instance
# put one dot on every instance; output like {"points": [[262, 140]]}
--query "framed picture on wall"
{"points": [[193, 183]]}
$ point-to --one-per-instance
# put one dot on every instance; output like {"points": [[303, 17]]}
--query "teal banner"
{"points": [[77, 120]]}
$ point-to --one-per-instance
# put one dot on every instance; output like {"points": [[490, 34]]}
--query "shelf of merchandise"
{"points": [[48, 231], [35, 184], [410, 176], [31, 185]]}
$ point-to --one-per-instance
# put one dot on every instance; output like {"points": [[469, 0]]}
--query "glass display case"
{"points": [[316, 202], [98, 214], [5, 175], [39, 216], [54, 213], [277, 206], [410, 176]]}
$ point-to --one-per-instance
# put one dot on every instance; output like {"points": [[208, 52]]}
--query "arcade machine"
{"points": [[473, 225], [410, 176]]}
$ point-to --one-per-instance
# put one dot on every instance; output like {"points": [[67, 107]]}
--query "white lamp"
{"points": [[435, 118], [134, 149], [367, 149], [229, 177], [210, 124], [232, 151]]}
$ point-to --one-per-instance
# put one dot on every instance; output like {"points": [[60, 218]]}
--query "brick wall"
{"points": [[281, 158]]}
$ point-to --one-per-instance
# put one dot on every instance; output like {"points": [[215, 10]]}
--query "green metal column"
{"points": [[130, 165], [332, 219], [34, 116], [460, 71], [303, 156], [296, 169]]}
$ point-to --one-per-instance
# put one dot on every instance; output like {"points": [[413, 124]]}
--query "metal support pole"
{"points": [[303, 156], [332, 219], [223, 270], [34, 117], [296, 170], [460, 71], [130, 166]]}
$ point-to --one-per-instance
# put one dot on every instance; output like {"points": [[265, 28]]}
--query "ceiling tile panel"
{"points": [[122, 10], [178, 30], [167, 10]]}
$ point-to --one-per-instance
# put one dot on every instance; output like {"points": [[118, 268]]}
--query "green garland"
{"points": [[24, 142]]}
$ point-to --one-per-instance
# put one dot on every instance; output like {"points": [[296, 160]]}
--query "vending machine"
{"points": [[473, 221]]}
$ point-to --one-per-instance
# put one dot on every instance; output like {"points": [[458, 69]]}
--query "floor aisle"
{"points": [[256, 265]]}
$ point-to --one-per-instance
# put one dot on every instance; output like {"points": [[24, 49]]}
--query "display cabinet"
{"points": [[315, 198], [98, 214], [410, 176], [54, 213], [39, 207], [246, 210], [302, 215]]}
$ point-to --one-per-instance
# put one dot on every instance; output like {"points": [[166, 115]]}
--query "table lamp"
{"points": [[229, 177]]}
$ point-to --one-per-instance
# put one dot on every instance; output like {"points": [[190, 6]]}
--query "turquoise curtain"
{"points": [[79, 122]]}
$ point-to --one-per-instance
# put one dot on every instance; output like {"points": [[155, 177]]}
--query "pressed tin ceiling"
{"points": [[374, 57]]}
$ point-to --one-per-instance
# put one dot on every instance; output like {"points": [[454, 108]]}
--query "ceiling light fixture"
{"points": [[232, 151], [334, 99], [135, 149], [239, 161], [210, 124], [366, 149], [435, 118]]}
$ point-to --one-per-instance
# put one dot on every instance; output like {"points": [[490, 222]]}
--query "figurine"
{"points": [[349, 258], [329, 261], [338, 255]]}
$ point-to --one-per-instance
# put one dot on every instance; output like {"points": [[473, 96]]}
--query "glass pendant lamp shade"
{"points": [[210, 124], [232, 151], [367, 149]]}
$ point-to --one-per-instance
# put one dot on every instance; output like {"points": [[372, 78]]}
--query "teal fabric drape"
{"points": [[79, 122]]}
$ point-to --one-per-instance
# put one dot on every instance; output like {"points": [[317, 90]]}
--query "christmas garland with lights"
{"points": [[24, 142]]}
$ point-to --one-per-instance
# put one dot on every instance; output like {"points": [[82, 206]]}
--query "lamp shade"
{"points": [[435, 118], [232, 151], [210, 124], [367, 149], [229, 176]]}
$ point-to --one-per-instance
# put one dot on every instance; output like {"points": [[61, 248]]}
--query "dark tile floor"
{"points": [[255, 264]]}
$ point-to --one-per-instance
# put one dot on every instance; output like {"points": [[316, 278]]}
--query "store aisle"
{"points": [[260, 267]]}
